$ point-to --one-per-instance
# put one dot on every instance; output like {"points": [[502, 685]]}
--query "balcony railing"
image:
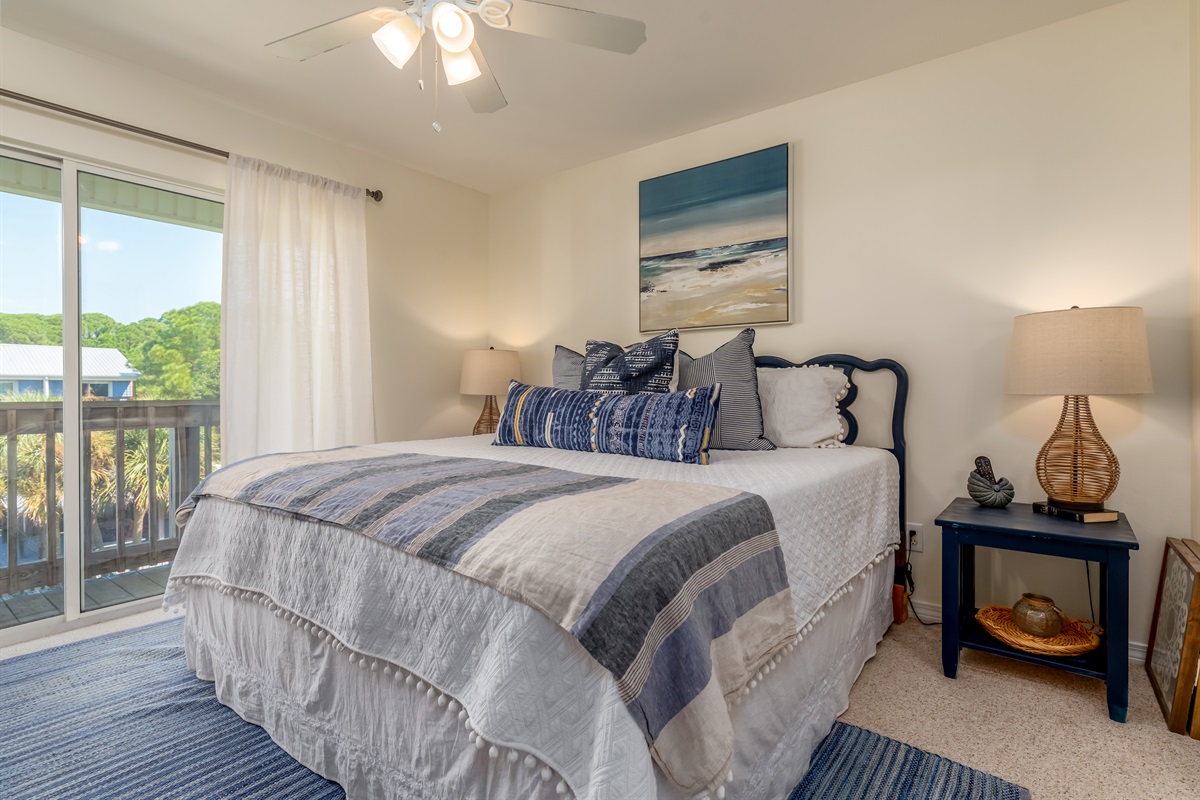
{"points": [[141, 459]]}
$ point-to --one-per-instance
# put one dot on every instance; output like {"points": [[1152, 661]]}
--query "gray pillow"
{"points": [[567, 368], [739, 414]]}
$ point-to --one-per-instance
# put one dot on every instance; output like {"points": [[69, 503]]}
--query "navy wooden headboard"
{"points": [[848, 365]]}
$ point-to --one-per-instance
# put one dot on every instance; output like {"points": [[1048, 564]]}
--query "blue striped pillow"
{"points": [[668, 426], [740, 422]]}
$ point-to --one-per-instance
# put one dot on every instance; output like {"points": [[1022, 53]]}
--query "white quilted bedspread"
{"points": [[835, 508], [525, 683]]}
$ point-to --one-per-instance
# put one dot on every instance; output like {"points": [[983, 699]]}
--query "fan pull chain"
{"points": [[421, 57], [437, 126]]}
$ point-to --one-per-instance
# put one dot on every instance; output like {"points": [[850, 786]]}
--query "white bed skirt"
{"points": [[383, 740]]}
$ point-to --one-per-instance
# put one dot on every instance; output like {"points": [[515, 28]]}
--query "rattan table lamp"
{"points": [[1076, 353], [488, 372]]}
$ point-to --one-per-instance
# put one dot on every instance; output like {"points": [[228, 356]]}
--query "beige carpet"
{"points": [[1044, 729]]}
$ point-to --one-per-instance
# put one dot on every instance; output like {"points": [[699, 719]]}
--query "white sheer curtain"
{"points": [[295, 336]]}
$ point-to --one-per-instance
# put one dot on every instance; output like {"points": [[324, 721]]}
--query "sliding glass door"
{"points": [[31, 406], [150, 297], [127, 327]]}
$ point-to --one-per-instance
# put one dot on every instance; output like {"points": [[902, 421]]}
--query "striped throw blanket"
{"points": [[677, 589]]}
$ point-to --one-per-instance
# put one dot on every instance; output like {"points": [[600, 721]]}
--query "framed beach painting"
{"points": [[713, 246], [1173, 654]]}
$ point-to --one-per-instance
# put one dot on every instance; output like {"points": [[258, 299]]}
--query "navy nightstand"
{"points": [[966, 525]]}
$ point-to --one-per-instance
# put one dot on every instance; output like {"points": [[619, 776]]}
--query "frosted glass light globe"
{"points": [[450, 25], [453, 27]]}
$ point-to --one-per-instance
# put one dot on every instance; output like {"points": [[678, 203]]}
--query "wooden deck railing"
{"points": [[130, 498]]}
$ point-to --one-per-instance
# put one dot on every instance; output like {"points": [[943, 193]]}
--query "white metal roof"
{"points": [[44, 361]]}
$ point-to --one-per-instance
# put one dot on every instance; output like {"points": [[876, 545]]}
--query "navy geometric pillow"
{"points": [[645, 367], [671, 426]]}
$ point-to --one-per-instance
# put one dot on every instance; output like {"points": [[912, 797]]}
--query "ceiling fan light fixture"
{"points": [[453, 27], [398, 40], [460, 67]]}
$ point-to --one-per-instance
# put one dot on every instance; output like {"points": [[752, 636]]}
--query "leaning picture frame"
{"points": [[1173, 653], [1195, 729]]}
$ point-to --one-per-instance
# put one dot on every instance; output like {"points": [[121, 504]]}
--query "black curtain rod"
{"points": [[374, 194]]}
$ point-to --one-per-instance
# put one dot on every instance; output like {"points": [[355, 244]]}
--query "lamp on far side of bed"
{"points": [[488, 372], [1076, 353]]}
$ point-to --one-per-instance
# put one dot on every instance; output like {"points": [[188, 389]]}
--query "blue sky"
{"points": [[130, 268]]}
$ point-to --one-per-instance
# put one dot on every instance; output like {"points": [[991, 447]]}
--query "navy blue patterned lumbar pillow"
{"points": [[644, 367], [740, 421], [668, 426]]}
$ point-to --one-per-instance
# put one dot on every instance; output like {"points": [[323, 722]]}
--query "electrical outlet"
{"points": [[916, 537]]}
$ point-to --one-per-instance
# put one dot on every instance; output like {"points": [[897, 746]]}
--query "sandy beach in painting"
{"points": [[739, 284]]}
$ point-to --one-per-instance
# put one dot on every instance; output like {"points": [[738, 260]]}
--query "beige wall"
{"points": [[1195, 28], [427, 240], [931, 206]]}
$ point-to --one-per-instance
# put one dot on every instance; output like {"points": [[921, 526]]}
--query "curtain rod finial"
{"points": [[375, 194]]}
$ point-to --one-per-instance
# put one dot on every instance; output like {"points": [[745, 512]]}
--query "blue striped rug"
{"points": [[855, 764], [120, 717]]}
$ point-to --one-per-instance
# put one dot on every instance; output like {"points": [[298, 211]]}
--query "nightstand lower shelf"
{"points": [[973, 635]]}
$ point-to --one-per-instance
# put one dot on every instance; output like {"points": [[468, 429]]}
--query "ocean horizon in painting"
{"points": [[714, 244]]}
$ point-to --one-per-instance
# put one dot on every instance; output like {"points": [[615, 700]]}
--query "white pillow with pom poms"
{"points": [[799, 405]]}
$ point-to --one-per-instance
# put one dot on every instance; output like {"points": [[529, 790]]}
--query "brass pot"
{"points": [[1037, 615]]}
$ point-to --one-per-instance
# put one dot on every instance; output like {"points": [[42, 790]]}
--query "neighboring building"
{"points": [[39, 369]]}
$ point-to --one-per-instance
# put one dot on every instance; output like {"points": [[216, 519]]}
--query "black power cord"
{"points": [[911, 587], [1087, 567]]}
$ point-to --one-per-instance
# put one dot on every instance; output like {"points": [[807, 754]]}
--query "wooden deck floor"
{"points": [[100, 592]]}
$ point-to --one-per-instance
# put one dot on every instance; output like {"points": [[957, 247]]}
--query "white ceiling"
{"points": [[704, 62]]}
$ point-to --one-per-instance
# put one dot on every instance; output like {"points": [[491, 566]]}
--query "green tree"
{"points": [[178, 354], [100, 330], [188, 354], [32, 497], [137, 479], [31, 328]]}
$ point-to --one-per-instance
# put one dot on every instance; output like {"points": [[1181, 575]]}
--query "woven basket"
{"points": [[1078, 636]]}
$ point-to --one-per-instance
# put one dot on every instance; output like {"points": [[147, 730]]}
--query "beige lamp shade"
{"points": [[488, 372], [1076, 353], [1080, 351]]}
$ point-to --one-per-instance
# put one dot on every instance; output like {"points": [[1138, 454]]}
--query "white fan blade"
{"points": [[332, 35], [619, 34], [483, 94]]}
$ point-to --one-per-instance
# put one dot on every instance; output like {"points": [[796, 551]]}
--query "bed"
{"points": [[399, 679]]}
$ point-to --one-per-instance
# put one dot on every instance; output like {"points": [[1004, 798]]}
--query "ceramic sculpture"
{"points": [[986, 489]]}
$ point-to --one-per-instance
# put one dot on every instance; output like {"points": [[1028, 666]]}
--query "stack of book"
{"points": [[1077, 516]]}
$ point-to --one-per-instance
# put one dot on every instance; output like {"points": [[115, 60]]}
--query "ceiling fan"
{"points": [[398, 33]]}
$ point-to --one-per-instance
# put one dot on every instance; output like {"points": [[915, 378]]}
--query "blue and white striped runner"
{"points": [[856, 764], [120, 717]]}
